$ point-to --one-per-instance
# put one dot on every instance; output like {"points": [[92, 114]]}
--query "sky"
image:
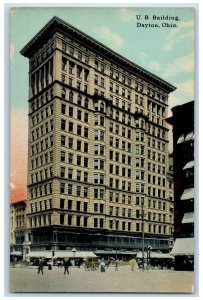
{"points": [[165, 51]]}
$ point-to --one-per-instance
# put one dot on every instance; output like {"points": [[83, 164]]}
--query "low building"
{"points": [[17, 226]]}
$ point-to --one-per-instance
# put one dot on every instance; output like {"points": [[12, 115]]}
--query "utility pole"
{"points": [[143, 236], [116, 267]]}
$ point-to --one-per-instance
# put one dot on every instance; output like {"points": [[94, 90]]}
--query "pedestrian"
{"points": [[59, 263], [40, 266], [132, 264], [49, 264], [102, 266], [66, 266]]}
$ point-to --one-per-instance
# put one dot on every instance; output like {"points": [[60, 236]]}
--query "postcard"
{"points": [[102, 149]]}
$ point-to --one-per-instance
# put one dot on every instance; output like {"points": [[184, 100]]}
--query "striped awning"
{"points": [[17, 253], [188, 194], [38, 254], [183, 246], [180, 139], [154, 254], [77, 254], [188, 218], [189, 136], [189, 165]]}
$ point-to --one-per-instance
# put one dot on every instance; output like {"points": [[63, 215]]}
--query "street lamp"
{"points": [[74, 250], [116, 267], [148, 255]]}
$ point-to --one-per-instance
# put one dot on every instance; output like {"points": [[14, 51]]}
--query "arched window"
{"points": [[96, 105]]}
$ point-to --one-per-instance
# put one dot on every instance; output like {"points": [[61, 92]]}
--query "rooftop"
{"points": [[58, 25]]}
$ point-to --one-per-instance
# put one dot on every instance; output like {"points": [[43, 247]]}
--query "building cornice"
{"points": [[58, 25]]}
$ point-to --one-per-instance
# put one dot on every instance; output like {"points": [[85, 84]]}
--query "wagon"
{"points": [[91, 264]]}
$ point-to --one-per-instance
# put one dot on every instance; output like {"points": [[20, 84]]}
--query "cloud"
{"points": [[183, 94], [12, 186], [18, 152], [127, 15], [184, 32], [111, 37], [154, 65], [186, 87], [179, 65]]}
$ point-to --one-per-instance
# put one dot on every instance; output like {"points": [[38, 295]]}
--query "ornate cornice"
{"points": [[58, 25]]}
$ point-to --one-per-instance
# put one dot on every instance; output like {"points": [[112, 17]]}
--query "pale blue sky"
{"points": [[167, 52]]}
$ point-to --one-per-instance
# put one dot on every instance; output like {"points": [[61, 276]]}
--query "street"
{"points": [[81, 281]]}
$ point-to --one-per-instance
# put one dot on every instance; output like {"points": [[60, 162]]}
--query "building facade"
{"points": [[98, 146], [17, 225], [183, 144]]}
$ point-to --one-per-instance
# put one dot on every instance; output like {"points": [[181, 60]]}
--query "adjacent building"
{"points": [[17, 225], [98, 146], [183, 144]]}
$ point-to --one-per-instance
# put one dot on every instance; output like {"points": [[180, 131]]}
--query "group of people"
{"points": [[66, 263]]}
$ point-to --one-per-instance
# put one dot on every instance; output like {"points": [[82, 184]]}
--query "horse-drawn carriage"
{"points": [[91, 263]]}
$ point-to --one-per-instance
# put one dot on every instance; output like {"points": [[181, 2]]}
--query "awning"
{"points": [[183, 246], [69, 254], [17, 253], [100, 252], [189, 136], [189, 165], [180, 139], [188, 194], [154, 255], [188, 218], [38, 254]]}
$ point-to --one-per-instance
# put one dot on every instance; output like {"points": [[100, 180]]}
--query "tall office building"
{"points": [[98, 146]]}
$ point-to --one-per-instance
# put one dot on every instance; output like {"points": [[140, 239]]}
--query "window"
{"points": [[85, 177], [78, 190], [62, 201], [70, 173], [79, 115], [63, 63], [86, 117], [86, 59], [111, 86], [70, 143], [78, 175], [63, 124], [70, 127], [62, 188], [85, 192], [86, 147], [86, 103], [79, 130], [62, 217], [79, 145], [63, 156]]}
